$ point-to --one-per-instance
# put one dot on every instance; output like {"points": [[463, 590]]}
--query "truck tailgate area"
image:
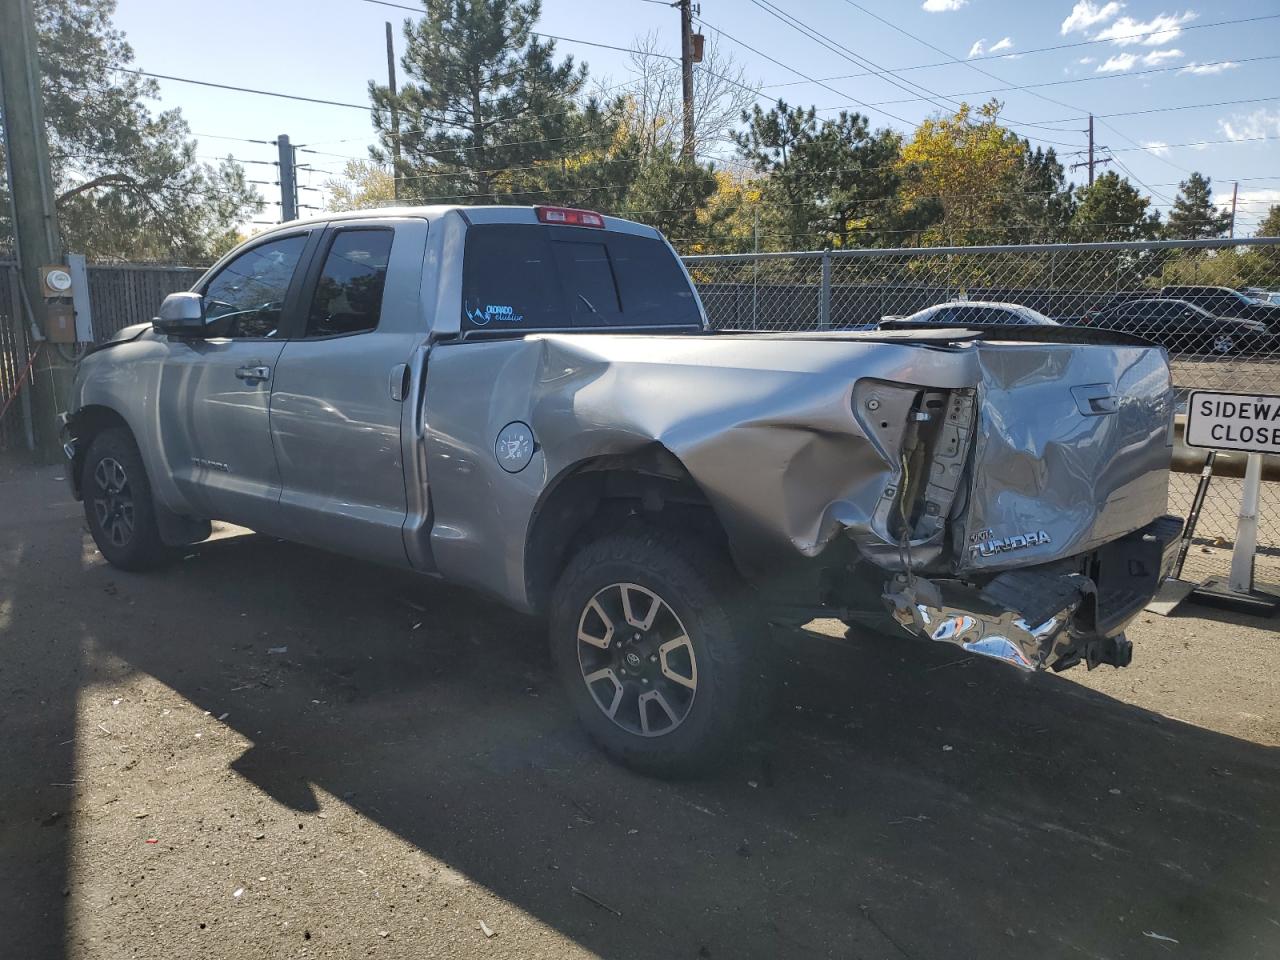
{"points": [[1071, 449]]}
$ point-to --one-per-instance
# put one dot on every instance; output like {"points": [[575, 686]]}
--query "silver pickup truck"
{"points": [[528, 401]]}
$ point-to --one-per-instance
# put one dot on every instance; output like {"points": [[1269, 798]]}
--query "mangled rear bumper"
{"points": [[1053, 617]]}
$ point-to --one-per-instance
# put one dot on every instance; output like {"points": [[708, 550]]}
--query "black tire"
{"points": [[118, 505], [727, 655]]}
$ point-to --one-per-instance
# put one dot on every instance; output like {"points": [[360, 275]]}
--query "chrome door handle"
{"points": [[255, 373]]}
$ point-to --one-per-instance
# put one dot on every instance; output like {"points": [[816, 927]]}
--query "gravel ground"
{"points": [[269, 751]]}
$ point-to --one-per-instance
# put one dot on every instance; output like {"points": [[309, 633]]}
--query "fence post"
{"points": [[824, 294]]}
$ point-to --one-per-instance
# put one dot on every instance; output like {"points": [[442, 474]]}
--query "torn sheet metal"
{"points": [[919, 606]]}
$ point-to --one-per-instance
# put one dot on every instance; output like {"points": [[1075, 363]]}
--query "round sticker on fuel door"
{"points": [[514, 446]]}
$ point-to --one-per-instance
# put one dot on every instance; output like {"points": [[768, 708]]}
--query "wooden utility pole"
{"points": [[395, 115], [34, 209], [686, 74], [1235, 191]]}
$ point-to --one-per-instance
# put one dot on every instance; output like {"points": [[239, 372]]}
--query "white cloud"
{"points": [[1260, 123], [1118, 64], [1121, 62], [942, 6], [1251, 206], [1155, 32], [1085, 15], [1208, 69], [980, 47], [1158, 147], [1085, 61], [1157, 57]]}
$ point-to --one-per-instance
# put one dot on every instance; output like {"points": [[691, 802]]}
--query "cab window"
{"points": [[348, 295], [245, 298], [537, 277]]}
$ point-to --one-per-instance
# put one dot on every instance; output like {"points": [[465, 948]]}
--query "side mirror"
{"points": [[181, 315]]}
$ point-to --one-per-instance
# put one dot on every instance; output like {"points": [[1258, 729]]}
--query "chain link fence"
{"points": [[1208, 302]]}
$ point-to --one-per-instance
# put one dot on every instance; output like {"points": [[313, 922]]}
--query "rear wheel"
{"points": [[1224, 344], [657, 643], [117, 503]]}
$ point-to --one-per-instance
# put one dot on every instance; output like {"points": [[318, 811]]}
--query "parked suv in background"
{"points": [[1225, 302]]}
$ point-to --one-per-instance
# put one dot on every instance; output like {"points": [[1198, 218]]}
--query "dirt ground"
{"points": [[268, 751]]}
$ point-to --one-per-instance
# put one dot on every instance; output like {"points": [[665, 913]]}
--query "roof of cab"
{"points": [[473, 214]]}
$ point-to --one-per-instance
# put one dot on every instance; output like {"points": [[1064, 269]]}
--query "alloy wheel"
{"points": [[113, 501], [637, 659]]}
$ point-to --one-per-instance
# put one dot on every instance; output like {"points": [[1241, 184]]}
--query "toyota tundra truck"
{"points": [[529, 402]]}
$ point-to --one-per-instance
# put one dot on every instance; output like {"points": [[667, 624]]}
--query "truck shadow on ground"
{"points": [[905, 801]]}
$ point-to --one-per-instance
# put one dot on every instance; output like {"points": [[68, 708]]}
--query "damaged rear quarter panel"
{"points": [[764, 426]]}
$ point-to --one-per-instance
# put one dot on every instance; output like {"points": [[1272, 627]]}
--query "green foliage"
{"points": [[483, 96], [668, 193], [1269, 226], [970, 166], [363, 184], [1194, 216], [127, 179], [1112, 209], [824, 183]]}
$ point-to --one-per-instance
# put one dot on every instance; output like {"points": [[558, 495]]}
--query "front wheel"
{"points": [[658, 645], [117, 503]]}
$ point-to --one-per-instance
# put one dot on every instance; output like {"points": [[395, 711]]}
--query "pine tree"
{"points": [[1113, 209], [485, 106], [1194, 215]]}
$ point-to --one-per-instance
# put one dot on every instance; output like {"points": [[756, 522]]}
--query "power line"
{"points": [[227, 86], [545, 36]]}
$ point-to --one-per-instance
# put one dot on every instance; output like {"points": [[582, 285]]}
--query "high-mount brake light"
{"points": [[570, 217]]}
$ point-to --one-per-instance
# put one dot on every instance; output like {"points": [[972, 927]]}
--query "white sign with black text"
{"points": [[1234, 421]]}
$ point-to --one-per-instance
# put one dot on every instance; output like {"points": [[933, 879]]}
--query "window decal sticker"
{"points": [[492, 311]]}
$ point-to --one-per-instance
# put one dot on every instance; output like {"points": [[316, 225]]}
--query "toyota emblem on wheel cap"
{"points": [[514, 446]]}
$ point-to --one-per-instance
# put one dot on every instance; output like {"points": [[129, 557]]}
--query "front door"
{"points": [[338, 399], [215, 392]]}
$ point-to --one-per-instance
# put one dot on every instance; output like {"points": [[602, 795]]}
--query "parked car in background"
{"points": [[960, 313], [1226, 302], [1182, 327], [1263, 296]]}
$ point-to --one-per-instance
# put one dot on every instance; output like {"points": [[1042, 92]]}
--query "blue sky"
{"points": [[330, 49]]}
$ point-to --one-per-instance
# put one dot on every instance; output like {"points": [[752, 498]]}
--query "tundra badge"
{"points": [[985, 544]]}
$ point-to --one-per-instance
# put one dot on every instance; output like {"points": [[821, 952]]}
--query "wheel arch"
{"points": [[85, 424], [600, 493]]}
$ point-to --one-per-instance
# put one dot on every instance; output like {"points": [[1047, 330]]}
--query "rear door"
{"points": [[214, 394], [339, 397]]}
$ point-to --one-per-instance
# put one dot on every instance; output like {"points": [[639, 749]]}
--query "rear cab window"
{"points": [[549, 277]]}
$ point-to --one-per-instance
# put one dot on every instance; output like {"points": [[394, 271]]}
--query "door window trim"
{"points": [[287, 311], [298, 323]]}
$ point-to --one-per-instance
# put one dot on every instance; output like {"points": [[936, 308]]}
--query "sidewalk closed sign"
{"points": [[1234, 421]]}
